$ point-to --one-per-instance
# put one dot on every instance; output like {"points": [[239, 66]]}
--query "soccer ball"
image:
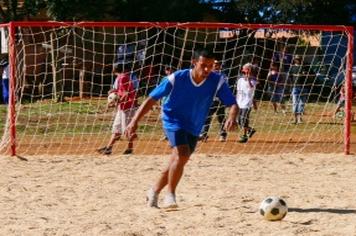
{"points": [[340, 114], [273, 208], [113, 98]]}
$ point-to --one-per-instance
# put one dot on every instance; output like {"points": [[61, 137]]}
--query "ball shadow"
{"points": [[328, 210]]}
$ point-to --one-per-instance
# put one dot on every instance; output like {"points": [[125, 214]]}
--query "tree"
{"points": [[124, 10], [12, 10], [76, 10], [284, 11], [238, 11]]}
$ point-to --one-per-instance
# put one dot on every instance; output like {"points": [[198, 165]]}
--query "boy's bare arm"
{"points": [[142, 110], [230, 123]]}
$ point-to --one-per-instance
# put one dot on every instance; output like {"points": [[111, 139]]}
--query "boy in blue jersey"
{"points": [[189, 94]]}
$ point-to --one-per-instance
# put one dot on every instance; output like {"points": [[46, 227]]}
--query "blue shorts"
{"points": [[182, 137]]}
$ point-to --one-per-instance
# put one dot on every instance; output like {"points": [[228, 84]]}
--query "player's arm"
{"points": [[230, 122], [162, 90], [252, 82], [142, 110], [228, 99]]}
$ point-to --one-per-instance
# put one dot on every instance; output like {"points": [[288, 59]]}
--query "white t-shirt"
{"points": [[245, 93]]}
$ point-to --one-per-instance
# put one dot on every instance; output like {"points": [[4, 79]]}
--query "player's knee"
{"points": [[182, 160], [117, 136], [165, 171]]}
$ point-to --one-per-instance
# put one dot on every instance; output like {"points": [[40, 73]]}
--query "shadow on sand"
{"points": [[328, 210]]}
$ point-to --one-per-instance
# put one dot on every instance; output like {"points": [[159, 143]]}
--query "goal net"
{"points": [[60, 75]]}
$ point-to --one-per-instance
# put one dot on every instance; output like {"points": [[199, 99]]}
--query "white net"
{"points": [[64, 73]]}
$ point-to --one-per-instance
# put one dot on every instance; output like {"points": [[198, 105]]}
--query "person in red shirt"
{"points": [[126, 107]]}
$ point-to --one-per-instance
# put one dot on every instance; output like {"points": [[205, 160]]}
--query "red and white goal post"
{"points": [[60, 73]]}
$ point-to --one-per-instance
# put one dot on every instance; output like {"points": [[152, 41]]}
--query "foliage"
{"points": [[76, 10], [12, 10], [239, 11], [133, 10], [285, 11]]}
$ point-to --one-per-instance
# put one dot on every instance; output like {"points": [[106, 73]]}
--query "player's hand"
{"points": [[130, 131], [230, 124]]}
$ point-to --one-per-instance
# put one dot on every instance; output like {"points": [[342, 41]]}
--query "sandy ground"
{"points": [[94, 195]]}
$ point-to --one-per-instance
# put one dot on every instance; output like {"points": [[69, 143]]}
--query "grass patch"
{"points": [[84, 117]]}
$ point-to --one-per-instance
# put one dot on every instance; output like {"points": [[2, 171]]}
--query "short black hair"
{"points": [[203, 52]]}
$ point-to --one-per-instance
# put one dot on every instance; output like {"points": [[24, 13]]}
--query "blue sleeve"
{"points": [[225, 95], [162, 90]]}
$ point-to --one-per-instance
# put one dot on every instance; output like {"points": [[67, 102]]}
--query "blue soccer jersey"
{"points": [[187, 103]]}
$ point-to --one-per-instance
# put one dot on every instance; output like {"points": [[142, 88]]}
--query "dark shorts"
{"points": [[244, 117], [276, 97], [182, 137]]}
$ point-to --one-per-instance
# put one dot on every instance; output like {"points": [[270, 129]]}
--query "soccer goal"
{"points": [[60, 74]]}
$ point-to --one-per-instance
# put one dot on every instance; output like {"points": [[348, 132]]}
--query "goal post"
{"points": [[61, 72]]}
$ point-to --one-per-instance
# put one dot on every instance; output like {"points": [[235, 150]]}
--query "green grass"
{"points": [[3, 113], [79, 117], [83, 124]]}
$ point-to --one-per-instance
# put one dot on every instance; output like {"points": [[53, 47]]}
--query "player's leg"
{"points": [[116, 132], [220, 113], [243, 122], [250, 130], [107, 150], [153, 193], [295, 100], [126, 119], [6, 91], [303, 100], [339, 107], [180, 157], [163, 179], [300, 100], [246, 122], [181, 153], [274, 103], [282, 100], [275, 106], [183, 145], [282, 104]]}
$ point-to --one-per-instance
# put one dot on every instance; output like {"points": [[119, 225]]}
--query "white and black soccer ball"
{"points": [[113, 98], [273, 208], [340, 114]]}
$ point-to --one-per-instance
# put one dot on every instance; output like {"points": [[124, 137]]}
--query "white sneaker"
{"points": [[170, 201], [222, 138], [152, 198]]}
